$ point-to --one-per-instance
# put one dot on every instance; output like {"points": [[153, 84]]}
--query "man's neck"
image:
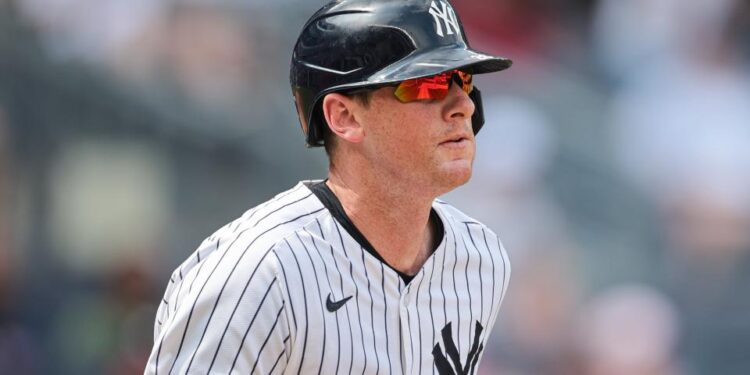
{"points": [[394, 220]]}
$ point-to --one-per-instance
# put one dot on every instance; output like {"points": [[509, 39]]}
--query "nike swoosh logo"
{"points": [[333, 306]]}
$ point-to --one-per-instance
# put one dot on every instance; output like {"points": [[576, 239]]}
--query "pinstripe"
{"points": [[177, 296], [419, 320], [492, 259], [304, 298], [260, 351], [190, 289], [164, 310], [411, 336], [277, 362], [400, 334], [198, 255], [284, 342], [158, 351], [442, 286], [372, 316], [288, 292], [283, 352], [481, 281], [468, 290], [255, 316], [429, 292], [385, 319], [468, 287], [330, 288], [455, 289], [320, 299], [359, 316], [346, 307], [320, 228]]}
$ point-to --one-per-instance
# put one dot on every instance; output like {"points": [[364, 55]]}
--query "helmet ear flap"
{"points": [[477, 119], [317, 127]]}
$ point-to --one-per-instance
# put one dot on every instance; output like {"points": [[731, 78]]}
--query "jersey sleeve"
{"points": [[501, 264], [226, 315]]}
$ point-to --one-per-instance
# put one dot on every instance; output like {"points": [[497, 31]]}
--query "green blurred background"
{"points": [[615, 166]]}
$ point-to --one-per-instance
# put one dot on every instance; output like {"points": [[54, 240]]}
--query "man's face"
{"points": [[429, 144]]}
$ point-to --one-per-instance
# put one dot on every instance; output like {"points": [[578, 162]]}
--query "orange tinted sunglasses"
{"points": [[434, 87]]}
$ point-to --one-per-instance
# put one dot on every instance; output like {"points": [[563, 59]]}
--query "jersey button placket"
{"points": [[405, 330], [407, 298]]}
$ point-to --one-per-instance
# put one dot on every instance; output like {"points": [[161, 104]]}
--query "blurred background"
{"points": [[615, 166]]}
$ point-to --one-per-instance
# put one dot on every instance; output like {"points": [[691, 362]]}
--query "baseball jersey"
{"points": [[288, 289]]}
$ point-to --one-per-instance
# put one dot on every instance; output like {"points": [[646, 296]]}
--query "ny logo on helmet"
{"points": [[448, 17]]}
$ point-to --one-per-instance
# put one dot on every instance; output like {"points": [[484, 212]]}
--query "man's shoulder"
{"points": [[263, 226], [277, 217], [456, 217], [476, 235], [286, 206], [452, 213]]}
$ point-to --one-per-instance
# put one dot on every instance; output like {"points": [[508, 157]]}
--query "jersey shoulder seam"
{"points": [[276, 266]]}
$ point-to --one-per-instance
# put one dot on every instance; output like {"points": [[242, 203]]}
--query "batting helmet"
{"points": [[350, 44]]}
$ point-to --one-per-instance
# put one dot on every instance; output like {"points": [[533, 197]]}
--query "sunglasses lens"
{"points": [[431, 88], [428, 88]]}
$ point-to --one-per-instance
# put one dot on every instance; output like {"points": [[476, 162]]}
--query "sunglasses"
{"points": [[428, 88], [434, 87]]}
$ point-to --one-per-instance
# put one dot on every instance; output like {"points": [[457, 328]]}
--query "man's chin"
{"points": [[455, 174]]}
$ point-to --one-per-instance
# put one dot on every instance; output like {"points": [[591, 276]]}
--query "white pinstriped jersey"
{"points": [[285, 289]]}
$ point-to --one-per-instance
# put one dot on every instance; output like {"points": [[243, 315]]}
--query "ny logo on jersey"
{"points": [[444, 367], [448, 17]]}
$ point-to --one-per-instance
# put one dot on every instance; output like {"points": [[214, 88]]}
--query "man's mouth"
{"points": [[457, 141]]}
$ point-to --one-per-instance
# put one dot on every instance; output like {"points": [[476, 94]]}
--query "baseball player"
{"points": [[365, 272]]}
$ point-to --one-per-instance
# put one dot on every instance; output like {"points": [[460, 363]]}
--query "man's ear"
{"points": [[340, 114]]}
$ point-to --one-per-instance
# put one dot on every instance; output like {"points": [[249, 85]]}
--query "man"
{"points": [[365, 272]]}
